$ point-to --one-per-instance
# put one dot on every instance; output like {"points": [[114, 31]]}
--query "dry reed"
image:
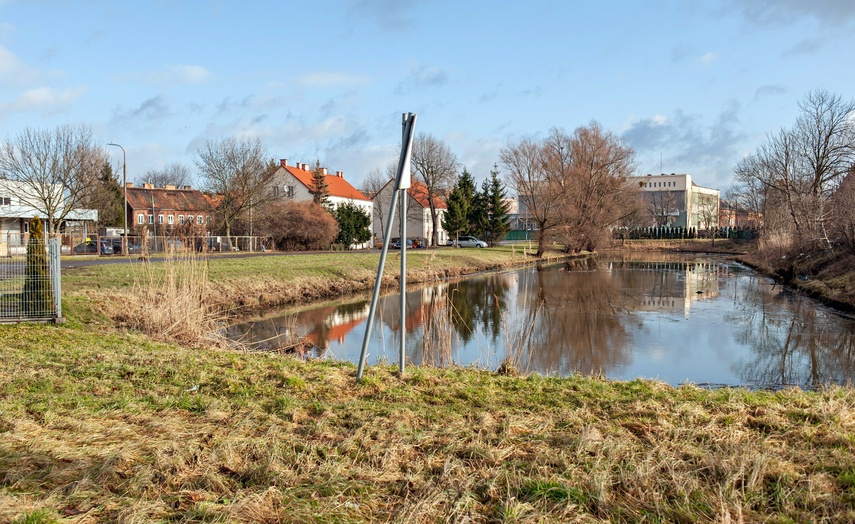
{"points": [[169, 299]]}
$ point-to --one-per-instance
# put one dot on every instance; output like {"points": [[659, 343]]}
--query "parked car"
{"points": [[133, 245], [395, 243], [90, 246], [470, 242]]}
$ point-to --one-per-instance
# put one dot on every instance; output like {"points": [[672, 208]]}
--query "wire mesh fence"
{"points": [[149, 245], [30, 284]]}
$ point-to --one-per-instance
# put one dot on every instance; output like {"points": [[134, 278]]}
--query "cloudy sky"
{"points": [[691, 85]]}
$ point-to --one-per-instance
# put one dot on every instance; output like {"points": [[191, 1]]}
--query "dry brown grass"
{"points": [[113, 428], [170, 299]]}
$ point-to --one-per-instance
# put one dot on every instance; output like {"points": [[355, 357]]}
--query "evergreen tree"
{"points": [[37, 298], [460, 202], [114, 199], [495, 222], [320, 189], [353, 224]]}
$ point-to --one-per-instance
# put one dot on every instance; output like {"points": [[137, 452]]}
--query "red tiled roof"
{"points": [[338, 186], [420, 193], [140, 199]]}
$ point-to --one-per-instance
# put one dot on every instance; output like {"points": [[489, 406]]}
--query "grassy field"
{"points": [[100, 423]]}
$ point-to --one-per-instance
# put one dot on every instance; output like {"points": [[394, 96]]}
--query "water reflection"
{"points": [[674, 318]]}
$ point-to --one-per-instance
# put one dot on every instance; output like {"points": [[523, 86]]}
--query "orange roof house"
{"points": [[300, 176], [295, 182], [419, 221]]}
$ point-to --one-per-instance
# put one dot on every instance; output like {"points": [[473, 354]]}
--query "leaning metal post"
{"points": [[403, 281], [409, 124]]}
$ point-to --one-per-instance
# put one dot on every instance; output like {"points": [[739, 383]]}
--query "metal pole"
{"points": [[409, 124], [403, 281], [125, 191]]}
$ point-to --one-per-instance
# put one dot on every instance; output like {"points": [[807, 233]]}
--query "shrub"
{"points": [[37, 298], [300, 226]]}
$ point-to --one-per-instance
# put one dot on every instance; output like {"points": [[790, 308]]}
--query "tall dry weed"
{"points": [[170, 298], [438, 335]]}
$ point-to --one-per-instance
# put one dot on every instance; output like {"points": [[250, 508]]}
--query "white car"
{"points": [[470, 242]]}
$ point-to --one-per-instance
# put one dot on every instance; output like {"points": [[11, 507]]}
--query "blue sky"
{"points": [[695, 85]]}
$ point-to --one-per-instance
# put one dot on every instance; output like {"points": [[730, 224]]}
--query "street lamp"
{"points": [[125, 190]]}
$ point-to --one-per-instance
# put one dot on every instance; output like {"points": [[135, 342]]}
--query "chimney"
{"points": [[169, 186], [339, 174], [129, 184], [148, 186], [305, 167], [323, 171], [283, 162], [187, 187]]}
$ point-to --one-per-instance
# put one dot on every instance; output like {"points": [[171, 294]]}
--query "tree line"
{"points": [[801, 181], [573, 188]]}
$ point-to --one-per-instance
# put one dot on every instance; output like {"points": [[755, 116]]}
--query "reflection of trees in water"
{"points": [[579, 328], [480, 303], [793, 340]]}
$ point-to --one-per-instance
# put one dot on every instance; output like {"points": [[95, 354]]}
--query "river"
{"points": [[673, 318]]}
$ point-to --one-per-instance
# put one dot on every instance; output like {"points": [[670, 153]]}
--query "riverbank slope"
{"points": [[102, 426], [101, 423]]}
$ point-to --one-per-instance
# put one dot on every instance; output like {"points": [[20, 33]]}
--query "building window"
{"points": [[160, 219], [151, 219], [180, 220], [289, 191], [140, 219], [190, 218], [199, 220], [5, 201], [275, 191], [171, 219]]}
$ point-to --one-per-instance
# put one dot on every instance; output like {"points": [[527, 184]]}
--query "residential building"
{"points": [[295, 182], [676, 201], [419, 221], [15, 213], [169, 211]]}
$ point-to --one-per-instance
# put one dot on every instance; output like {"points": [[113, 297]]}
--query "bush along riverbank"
{"points": [[102, 426]]}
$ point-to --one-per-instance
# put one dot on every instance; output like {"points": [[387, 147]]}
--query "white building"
{"points": [[419, 221], [676, 201], [295, 182], [15, 213]]}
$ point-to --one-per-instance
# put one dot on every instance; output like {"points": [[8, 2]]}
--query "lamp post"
{"points": [[125, 191]]}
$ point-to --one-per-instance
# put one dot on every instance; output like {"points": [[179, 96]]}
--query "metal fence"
{"points": [[150, 245], [30, 283]]}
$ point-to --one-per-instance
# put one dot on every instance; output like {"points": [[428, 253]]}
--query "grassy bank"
{"points": [[99, 423], [237, 285], [112, 427]]}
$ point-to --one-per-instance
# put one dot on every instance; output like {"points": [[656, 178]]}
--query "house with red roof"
{"points": [[419, 222], [295, 182]]}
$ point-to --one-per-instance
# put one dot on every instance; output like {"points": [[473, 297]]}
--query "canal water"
{"points": [[678, 319]]}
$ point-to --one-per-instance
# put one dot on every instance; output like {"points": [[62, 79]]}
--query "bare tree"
{"points": [[800, 167], [52, 168], [372, 186], [175, 173], [842, 207], [600, 165], [436, 167], [236, 170], [707, 208], [541, 191]]}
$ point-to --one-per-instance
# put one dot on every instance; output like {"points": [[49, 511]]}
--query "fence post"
{"points": [[54, 251]]}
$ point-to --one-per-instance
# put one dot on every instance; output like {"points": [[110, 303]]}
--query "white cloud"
{"points": [[176, 74], [46, 99], [330, 78], [13, 71], [708, 58]]}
